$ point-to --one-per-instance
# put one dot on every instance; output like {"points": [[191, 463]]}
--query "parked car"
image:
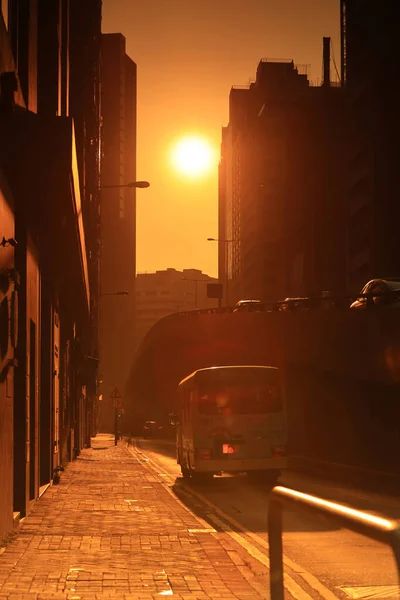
{"points": [[293, 303], [380, 287], [248, 306], [152, 429]]}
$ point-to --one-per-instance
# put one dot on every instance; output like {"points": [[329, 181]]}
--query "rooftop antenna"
{"points": [[326, 74]]}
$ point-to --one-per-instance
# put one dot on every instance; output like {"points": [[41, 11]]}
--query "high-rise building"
{"points": [[371, 71], [118, 221], [49, 59], [281, 207]]}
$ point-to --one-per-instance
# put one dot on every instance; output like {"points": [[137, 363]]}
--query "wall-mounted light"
{"points": [[8, 242]]}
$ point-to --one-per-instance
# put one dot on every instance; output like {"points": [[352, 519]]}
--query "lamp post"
{"points": [[116, 435], [223, 241], [131, 184], [196, 281]]}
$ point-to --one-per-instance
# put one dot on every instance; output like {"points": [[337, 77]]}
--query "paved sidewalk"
{"points": [[113, 529]]}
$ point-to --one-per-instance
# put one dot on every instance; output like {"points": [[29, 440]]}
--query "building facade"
{"points": [[281, 201], [166, 292], [370, 72], [118, 222], [49, 330]]}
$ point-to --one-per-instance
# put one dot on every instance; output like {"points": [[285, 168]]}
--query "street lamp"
{"points": [[211, 239], [196, 281], [131, 184]]}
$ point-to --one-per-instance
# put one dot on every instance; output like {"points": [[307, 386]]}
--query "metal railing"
{"points": [[377, 528], [331, 301]]}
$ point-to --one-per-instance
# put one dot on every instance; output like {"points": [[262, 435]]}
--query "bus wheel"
{"points": [[202, 477], [185, 472]]}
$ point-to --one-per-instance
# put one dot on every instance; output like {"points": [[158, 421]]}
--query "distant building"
{"points": [[118, 221], [166, 292], [281, 198]]}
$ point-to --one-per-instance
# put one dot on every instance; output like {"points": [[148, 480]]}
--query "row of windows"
{"points": [[153, 293], [149, 293]]}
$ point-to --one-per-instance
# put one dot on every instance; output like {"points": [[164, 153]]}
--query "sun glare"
{"points": [[193, 156]]}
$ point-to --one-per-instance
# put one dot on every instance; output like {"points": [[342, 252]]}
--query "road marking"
{"points": [[375, 592], [290, 584], [310, 579], [154, 467]]}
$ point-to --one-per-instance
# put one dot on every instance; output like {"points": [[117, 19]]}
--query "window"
{"points": [[379, 288], [240, 400]]}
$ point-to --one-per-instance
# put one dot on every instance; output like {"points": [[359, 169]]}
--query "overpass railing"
{"points": [[325, 301], [377, 528]]}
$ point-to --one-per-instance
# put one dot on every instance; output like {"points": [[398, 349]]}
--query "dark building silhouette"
{"points": [[49, 132], [281, 198], [118, 221], [371, 72]]}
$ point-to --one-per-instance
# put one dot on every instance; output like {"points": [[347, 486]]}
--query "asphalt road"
{"points": [[328, 562]]}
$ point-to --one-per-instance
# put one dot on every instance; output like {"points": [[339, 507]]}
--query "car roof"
{"points": [[246, 302], [226, 368], [391, 282]]}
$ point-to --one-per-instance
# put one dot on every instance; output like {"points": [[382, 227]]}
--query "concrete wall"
{"points": [[27, 384], [7, 292]]}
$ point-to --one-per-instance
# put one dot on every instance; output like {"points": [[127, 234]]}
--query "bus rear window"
{"points": [[243, 400]]}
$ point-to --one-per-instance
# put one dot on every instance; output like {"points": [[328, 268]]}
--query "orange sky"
{"points": [[189, 53]]}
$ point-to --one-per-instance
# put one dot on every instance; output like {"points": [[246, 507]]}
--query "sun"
{"points": [[193, 156]]}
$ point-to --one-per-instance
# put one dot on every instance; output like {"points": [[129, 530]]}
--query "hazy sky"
{"points": [[189, 53]]}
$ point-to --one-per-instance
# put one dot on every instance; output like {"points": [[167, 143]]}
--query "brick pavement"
{"points": [[113, 529]]}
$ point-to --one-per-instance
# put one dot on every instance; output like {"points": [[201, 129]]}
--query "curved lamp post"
{"points": [[131, 184], [196, 281]]}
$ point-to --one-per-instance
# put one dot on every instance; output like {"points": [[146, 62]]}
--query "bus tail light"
{"points": [[228, 449], [278, 451], [203, 454]]}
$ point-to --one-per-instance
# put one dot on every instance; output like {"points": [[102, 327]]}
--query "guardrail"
{"points": [[328, 301], [375, 527]]}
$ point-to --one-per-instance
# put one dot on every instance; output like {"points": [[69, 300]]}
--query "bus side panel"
{"points": [[179, 433], [189, 440], [185, 429]]}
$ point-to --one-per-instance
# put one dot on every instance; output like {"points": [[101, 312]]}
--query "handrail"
{"points": [[377, 528], [287, 305], [306, 302]]}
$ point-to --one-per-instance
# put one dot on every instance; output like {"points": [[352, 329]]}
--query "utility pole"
{"points": [[116, 436], [117, 401]]}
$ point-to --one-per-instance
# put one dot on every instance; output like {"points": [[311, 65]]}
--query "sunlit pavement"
{"points": [[114, 528], [324, 560], [123, 524]]}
